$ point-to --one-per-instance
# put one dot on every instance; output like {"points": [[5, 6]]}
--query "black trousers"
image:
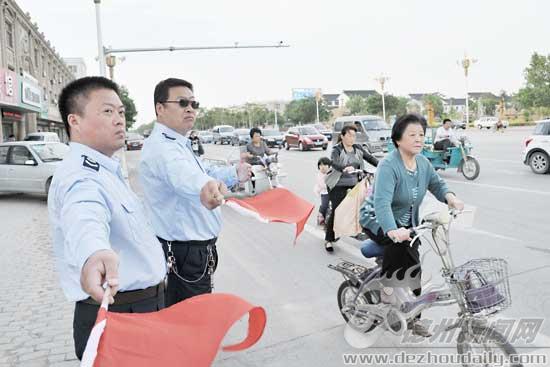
{"points": [[398, 258], [336, 196], [323, 208], [191, 262], [85, 315], [443, 144]]}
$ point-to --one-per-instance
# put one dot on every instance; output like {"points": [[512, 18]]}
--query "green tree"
{"points": [[357, 105], [130, 107], [374, 104], [304, 111], [436, 102], [394, 105], [537, 83], [489, 105], [142, 128]]}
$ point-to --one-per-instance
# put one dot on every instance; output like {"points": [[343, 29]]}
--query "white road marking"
{"points": [[500, 187]]}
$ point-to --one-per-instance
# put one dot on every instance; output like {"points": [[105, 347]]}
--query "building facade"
{"points": [[32, 75], [77, 66]]}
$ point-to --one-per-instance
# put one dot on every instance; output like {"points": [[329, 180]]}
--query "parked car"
{"points": [[323, 130], [222, 134], [273, 138], [458, 124], [305, 138], [537, 148], [489, 122], [42, 136], [206, 137], [28, 166], [134, 141], [240, 137], [372, 132]]}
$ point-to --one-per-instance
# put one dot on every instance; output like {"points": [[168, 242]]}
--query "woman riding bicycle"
{"points": [[401, 182]]}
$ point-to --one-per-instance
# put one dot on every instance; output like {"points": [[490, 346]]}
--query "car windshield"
{"points": [[133, 136], [205, 133], [319, 127], [270, 133], [376, 125], [226, 129], [50, 152], [242, 132], [35, 138], [308, 131]]}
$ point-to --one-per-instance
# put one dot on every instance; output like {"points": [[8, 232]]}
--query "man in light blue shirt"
{"points": [[99, 229], [183, 193]]}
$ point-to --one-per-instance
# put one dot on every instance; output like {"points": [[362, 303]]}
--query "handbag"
{"points": [[332, 178], [480, 294]]}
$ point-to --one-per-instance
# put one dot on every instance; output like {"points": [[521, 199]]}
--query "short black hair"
{"points": [[163, 89], [401, 124], [446, 120], [255, 130], [70, 99], [325, 161]]}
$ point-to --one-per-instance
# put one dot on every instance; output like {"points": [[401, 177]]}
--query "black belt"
{"points": [[190, 243], [127, 297]]}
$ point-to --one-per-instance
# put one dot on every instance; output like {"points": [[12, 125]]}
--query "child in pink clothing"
{"points": [[320, 188]]}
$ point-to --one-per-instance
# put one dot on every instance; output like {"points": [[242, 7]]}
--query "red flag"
{"points": [[186, 334], [276, 205]]}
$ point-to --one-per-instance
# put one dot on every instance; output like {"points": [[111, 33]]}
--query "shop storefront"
{"points": [[11, 117]]}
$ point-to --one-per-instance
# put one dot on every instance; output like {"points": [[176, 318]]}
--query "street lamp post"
{"points": [[466, 63], [317, 99], [100, 49], [382, 80]]}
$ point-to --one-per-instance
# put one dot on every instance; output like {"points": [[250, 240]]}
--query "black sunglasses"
{"points": [[184, 103]]}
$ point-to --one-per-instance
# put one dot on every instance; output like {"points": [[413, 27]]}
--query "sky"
{"points": [[334, 45]]}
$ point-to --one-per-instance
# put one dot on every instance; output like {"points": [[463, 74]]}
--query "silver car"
{"points": [[28, 166]]}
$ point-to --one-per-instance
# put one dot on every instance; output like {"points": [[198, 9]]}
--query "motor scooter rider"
{"points": [[258, 154]]}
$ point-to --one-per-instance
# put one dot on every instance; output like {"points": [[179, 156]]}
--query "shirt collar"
{"points": [[171, 134], [110, 163]]}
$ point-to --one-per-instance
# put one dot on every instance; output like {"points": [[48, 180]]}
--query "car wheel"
{"points": [[539, 162], [480, 127], [325, 147], [287, 146], [301, 146]]}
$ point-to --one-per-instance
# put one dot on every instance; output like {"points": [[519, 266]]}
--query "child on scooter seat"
{"points": [[320, 188]]}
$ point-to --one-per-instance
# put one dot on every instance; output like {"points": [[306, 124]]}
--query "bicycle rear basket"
{"points": [[485, 285]]}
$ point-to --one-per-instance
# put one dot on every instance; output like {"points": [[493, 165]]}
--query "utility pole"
{"points": [[100, 49], [382, 81], [466, 63], [317, 100]]}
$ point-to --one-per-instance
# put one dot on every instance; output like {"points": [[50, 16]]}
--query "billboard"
{"points": [[301, 93]]}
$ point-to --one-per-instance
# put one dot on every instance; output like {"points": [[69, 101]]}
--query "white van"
{"points": [[372, 132], [42, 136]]}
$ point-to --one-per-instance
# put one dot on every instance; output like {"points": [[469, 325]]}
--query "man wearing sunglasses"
{"points": [[183, 193]]}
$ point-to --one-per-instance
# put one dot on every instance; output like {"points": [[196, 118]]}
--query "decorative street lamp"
{"points": [[466, 63], [382, 80]]}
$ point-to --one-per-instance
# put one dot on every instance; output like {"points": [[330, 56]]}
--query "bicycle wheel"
{"points": [[486, 343], [346, 294]]}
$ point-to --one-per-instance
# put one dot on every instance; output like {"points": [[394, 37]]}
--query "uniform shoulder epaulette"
{"points": [[90, 163], [168, 137]]}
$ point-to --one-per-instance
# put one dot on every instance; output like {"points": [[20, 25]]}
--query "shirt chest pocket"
{"points": [[131, 221]]}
